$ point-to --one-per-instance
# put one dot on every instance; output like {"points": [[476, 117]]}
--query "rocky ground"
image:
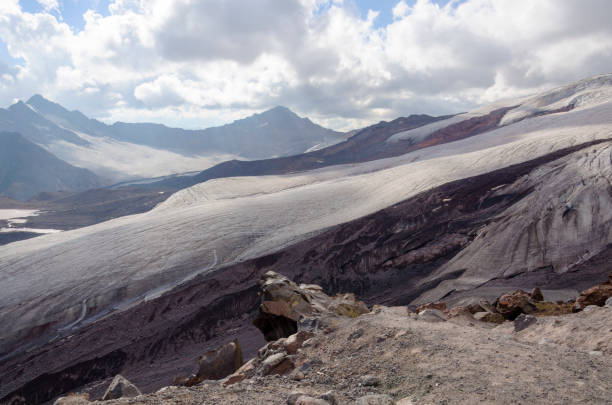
{"points": [[392, 355]]}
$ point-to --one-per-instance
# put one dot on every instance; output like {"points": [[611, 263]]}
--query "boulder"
{"points": [[284, 304], [523, 321], [609, 302], [279, 363], [295, 341], [215, 364], [511, 305], [536, 294], [489, 317], [431, 315], [481, 306], [596, 295], [120, 387], [375, 399], [440, 306]]}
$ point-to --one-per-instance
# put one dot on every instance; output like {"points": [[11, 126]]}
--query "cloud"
{"points": [[211, 61], [49, 5]]}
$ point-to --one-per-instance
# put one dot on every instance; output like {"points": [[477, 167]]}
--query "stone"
{"points": [[404, 401], [536, 294], [296, 375], [523, 321], [489, 317], [330, 397], [234, 378], [370, 381], [431, 315], [278, 364], [375, 399], [295, 341], [609, 302], [73, 399], [511, 305], [219, 363], [597, 295], [440, 306], [481, 306], [286, 307], [120, 387]]}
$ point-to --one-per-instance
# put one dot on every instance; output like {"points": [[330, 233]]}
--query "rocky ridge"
{"points": [[341, 354]]}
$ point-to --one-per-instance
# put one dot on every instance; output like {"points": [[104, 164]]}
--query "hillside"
{"points": [[27, 169]]}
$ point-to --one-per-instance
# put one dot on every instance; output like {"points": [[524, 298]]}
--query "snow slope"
{"points": [[121, 160], [235, 219]]}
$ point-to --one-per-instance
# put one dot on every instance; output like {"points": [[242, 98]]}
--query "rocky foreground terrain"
{"points": [[334, 350]]}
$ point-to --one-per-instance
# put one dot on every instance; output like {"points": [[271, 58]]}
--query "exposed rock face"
{"points": [[596, 295], [513, 304], [283, 303], [120, 387], [563, 220]]}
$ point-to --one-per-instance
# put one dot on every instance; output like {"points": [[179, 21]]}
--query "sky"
{"points": [[343, 63]]}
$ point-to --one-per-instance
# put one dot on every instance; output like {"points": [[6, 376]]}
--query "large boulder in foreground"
{"points": [[120, 387], [594, 296], [284, 303]]}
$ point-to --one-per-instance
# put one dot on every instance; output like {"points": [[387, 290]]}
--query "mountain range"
{"points": [[515, 194], [128, 151]]}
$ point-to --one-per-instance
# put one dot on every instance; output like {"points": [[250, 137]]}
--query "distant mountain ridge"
{"points": [[126, 151], [275, 132], [26, 169]]}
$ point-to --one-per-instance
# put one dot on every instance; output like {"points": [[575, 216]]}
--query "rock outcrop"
{"points": [[511, 305], [284, 303], [596, 295]]}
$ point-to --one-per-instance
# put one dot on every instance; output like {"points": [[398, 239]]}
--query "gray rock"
{"points": [[274, 360], [523, 321], [609, 302], [120, 387], [376, 399], [370, 381], [431, 315]]}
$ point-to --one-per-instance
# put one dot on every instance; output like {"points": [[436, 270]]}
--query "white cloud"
{"points": [[215, 60], [49, 5]]}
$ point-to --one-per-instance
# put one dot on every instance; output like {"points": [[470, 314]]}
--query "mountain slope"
{"points": [[27, 169], [408, 228], [276, 132]]}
